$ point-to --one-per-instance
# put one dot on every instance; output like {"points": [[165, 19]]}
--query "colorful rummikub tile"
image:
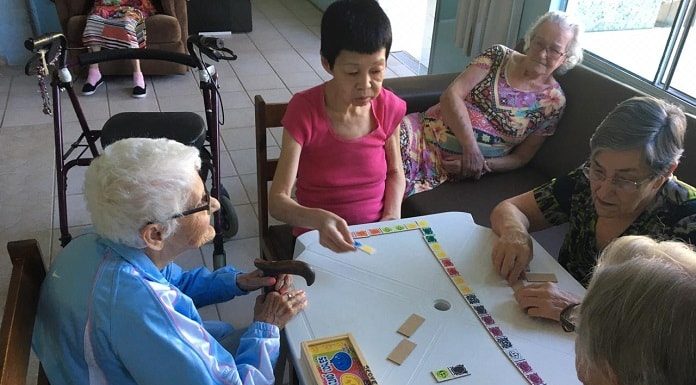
{"points": [[458, 280], [524, 366], [411, 226], [360, 234], [465, 289], [387, 229], [435, 247], [488, 320], [534, 379], [430, 239], [422, 223], [368, 249], [504, 342], [452, 271], [441, 255], [357, 244], [495, 331], [375, 231], [446, 262], [450, 373], [400, 228], [514, 355], [472, 299], [427, 231], [480, 309]]}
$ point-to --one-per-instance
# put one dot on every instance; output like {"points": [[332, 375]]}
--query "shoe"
{"points": [[139, 92], [89, 89]]}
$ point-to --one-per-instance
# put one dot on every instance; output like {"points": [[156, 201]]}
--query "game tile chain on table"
{"points": [[412, 325], [467, 292]]}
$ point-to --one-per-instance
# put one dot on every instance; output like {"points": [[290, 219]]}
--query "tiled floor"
{"points": [[280, 57]]}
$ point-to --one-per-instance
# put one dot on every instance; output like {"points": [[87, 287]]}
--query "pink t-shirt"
{"points": [[344, 176]]}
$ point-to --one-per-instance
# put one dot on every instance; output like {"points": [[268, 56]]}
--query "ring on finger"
{"points": [[289, 295]]}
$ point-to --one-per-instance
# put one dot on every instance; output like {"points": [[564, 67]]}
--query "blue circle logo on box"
{"points": [[342, 361]]}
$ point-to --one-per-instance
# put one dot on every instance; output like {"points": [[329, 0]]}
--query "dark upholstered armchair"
{"points": [[167, 30]]}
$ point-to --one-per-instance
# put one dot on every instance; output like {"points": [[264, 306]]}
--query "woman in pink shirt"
{"points": [[340, 139]]}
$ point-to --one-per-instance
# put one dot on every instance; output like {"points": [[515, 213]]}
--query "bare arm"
{"points": [[511, 220], [456, 117], [396, 181], [333, 230], [520, 155]]}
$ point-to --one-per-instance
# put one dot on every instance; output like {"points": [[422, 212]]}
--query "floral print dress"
{"points": [[117, 23], [501, 116]]}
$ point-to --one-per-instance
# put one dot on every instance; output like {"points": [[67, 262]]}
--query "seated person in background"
{"points": [[626, 187], [115, 309], [636, 321], [496, 114], [340, 139], [115, 24]]}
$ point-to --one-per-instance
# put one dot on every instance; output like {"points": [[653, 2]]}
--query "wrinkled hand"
{"points": [[254, 281], [334, 234], [278, 309], [511, 254], [544, 300], [470, 164]]}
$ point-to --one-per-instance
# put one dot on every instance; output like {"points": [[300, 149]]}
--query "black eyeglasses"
{"points": [[570, 317], [204, 207]]}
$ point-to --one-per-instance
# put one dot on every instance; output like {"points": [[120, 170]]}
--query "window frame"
{"points": [[660, 85]]}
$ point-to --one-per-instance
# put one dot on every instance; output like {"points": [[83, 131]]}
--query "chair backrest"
{"points": [[267, 115], [28, 273]]}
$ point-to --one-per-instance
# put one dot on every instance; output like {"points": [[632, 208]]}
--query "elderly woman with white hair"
{"points": [[626, 187], [497, 113], [635, 325], [114, 308]]}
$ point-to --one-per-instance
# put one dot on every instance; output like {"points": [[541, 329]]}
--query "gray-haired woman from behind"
{"points": [[637, 320], [626, 187]]}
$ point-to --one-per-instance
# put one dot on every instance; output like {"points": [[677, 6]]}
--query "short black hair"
{"points": [[354, 25]]}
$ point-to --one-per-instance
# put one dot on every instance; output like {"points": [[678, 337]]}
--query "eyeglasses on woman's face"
{"points": [[203, 206], [538, 45], [596, 175]]}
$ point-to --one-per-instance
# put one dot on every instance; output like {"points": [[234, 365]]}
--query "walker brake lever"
{"points": [[275, 268]]}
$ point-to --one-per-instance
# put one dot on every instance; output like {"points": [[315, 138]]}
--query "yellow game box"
{"points": [[336, 361]]}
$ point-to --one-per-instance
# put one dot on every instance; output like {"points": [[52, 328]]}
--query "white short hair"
{"points": [[137, 181], [574, 54], [638, 316]]}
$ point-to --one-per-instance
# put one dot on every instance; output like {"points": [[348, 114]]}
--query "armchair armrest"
{"points": [[177, 8], [420, 92], [68, 8]]}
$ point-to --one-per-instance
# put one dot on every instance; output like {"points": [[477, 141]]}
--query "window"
{"points": [[652, 41]]}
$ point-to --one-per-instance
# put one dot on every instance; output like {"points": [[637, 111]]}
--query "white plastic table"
{"points": [[370, 296]]}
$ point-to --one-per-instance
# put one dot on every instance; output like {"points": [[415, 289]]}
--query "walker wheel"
{"points": [[230, 224]]}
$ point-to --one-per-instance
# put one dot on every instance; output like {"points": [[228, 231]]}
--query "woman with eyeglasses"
{"points": [[626, 187], [497, 113], [115, 308], [636, 323]]}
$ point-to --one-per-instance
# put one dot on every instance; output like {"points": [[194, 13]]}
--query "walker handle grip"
{"points": [[275, 268]]}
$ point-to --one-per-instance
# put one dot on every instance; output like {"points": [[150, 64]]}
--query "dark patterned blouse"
{"points": [[568, 199]]}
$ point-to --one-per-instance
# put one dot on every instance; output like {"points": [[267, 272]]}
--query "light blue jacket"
{"points": [[107, 315]]}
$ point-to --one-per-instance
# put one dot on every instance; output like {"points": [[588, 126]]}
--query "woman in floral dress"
{"points": [[496, 114], [115, 24]]}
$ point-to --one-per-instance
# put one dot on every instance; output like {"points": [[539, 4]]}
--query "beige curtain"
{"points": [[482, 23]]}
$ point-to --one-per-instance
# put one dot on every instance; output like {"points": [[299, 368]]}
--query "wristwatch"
{"points": [[570, 316]]}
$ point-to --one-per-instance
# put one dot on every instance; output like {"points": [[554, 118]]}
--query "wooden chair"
{"points": [[20, 310], [275, 242]]}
